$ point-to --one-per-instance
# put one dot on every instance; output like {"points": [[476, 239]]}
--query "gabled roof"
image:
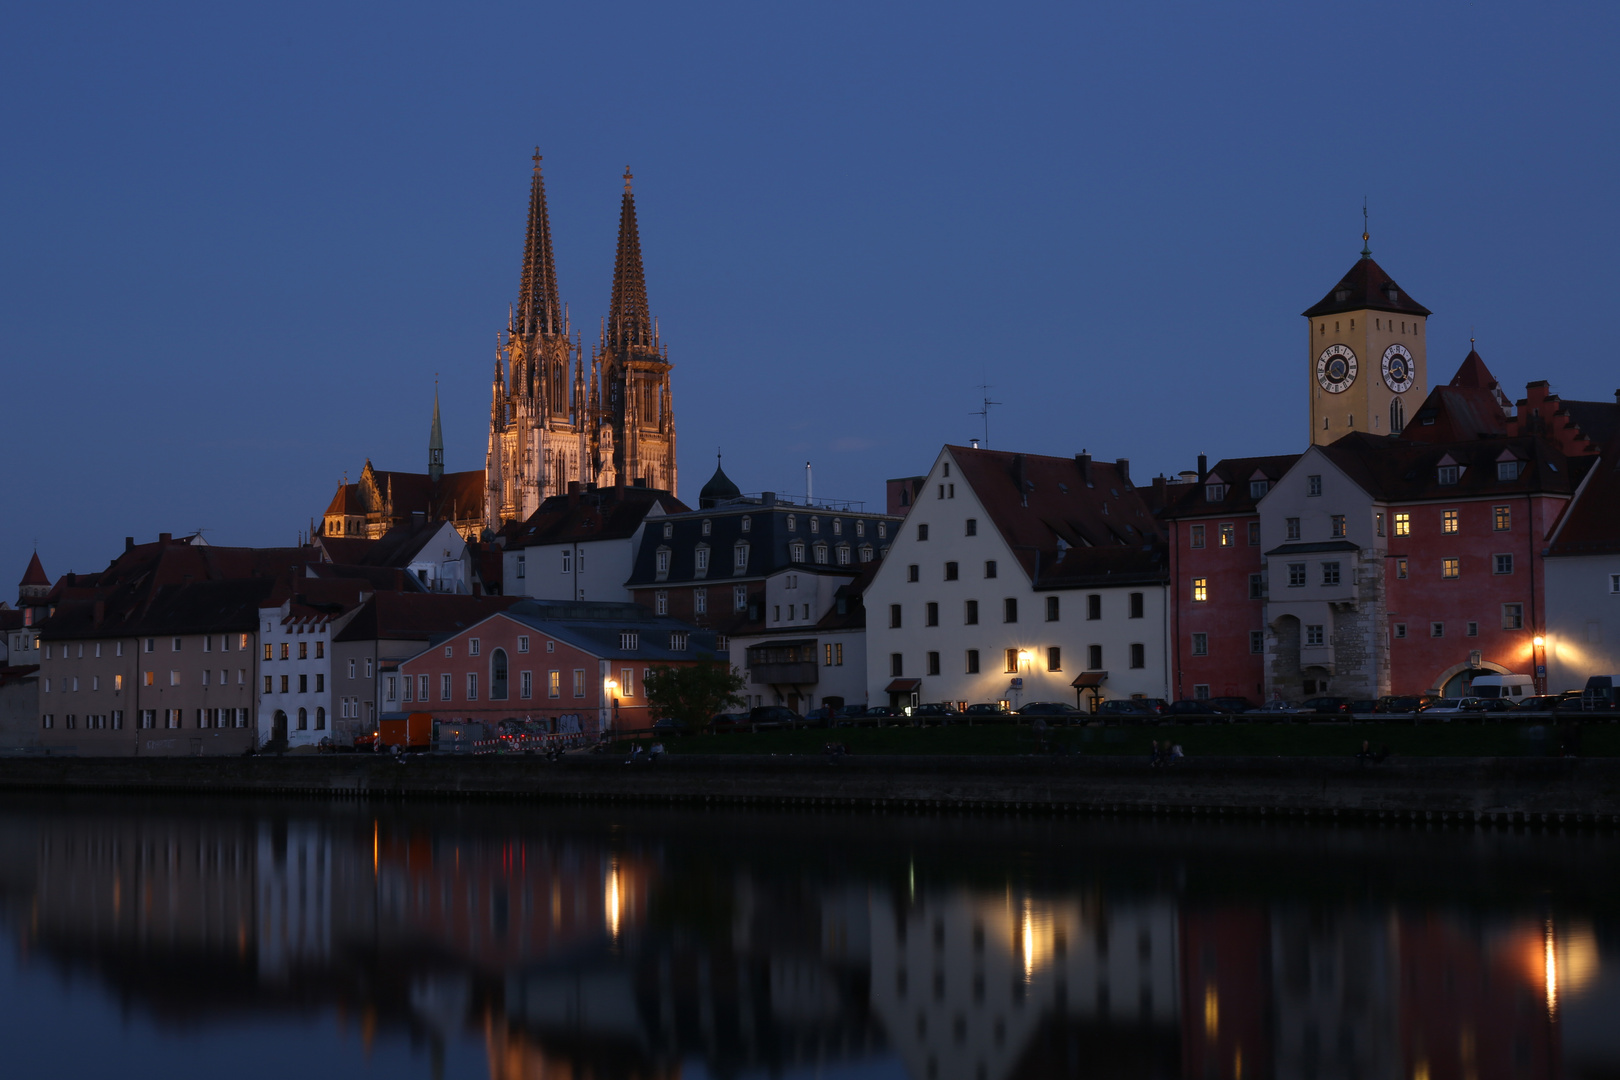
{"points": [[596, 628], [349, 550], [400, 545], [419, 616], [1365, 287], [1591, 523], [1471, 406], [851, 595], [1398, 470], [1192, 500], [612, 513], [1069, 521]]}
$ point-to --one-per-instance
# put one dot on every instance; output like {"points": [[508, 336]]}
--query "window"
{"points": [[894, 616], [391, 687], [922, 532], [579, 681], [1449, 522], [739, 558], [1437, 629], [320, 682], [1051, 609], [669, 528], [700, 601], [971, 527], [1450, 568], [151, 645], [1200, 644], [843, 554], [520, 566], [1400, 630], [1509, 470], [1397, 416], [1330, 573], [1313, 485], [662, 560], [118, 683], [175, 647], [1054, 659], [554, 684], [866, 553], [1136, 605], [1228, 535], [1094, 658], [1200, 590], [523, 643], [351, 668], [629, 640], [1513, 616], [661, 602], [269, 682], [896, 666], [933, 613], [150, 676], [567, 561], [913, 572], [700, 560], [1009, 609], [1293, 528], [303, 650], [1138, 655], [1012, 660], [970, 613], [1214, 492], [1257, 642], [883, 529], [1447, 474], [627, 682], [1502, 518], [1472, 630], [739, 597], [1400, 568], [796, 551], [1093, 606], [950, 571], [747, 523], [678, 641], [1296, 575], [444, 687], [422, 688], [706, 527], [449, 651], [973, 661], [1254, 534], [1258, 488], [1614, 583], [933, 663], [498, 676], [990, 568], [286, 650], [1313, 634], [1257, 586], [1504, 564], [1337, 525], [1196, 535], [1378, 524]]}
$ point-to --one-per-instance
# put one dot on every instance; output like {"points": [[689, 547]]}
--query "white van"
{"points": [[1513, 687]]}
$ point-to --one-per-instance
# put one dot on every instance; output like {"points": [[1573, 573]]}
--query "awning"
{"points": [[903, 686], [1089, 680]]}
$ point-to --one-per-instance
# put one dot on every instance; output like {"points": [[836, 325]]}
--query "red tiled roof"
{"points": [[1591, 523], [1192, 500], [1398, 470], [419, 616], [35, 574], [604, 514], [349, 550], [1366, 286], [1065, 530]]}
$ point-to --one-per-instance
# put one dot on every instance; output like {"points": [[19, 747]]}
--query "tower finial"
{"points": [[537, 159], [1366, 233], [627, 179]]}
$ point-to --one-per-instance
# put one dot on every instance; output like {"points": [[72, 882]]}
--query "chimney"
{"points": [[641, 482], [767, 498], [573, 493], [1159, 485], [129, 544], [164, 538], [1083, 460], [1124, 466], [1203, 467]]}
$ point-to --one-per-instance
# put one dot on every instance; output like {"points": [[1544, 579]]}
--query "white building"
{"points": [[1020, 578], [296, 703], [582, 545], [813, 649], [1583, 581]]}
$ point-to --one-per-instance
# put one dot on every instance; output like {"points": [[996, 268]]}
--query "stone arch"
{"points": [[1454, 670]]}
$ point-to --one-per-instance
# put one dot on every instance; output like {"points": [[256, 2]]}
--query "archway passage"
{"points": [[1457, 680]]}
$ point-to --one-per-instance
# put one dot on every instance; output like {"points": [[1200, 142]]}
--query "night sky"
{"points": [[238, 241]]}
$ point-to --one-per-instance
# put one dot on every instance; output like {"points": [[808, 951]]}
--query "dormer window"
{"points": [[860, 528], [1448, 474], [796, 551], [740, 558], [1509, 470], [669, 529], [793, 523], [815, 525], [662, 561], [1258, 488], [706, 527], [1214, 492], [821, 553], [747, 523], [701, 560]]}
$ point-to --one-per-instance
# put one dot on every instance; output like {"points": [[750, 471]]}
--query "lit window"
{"points": [[1450, 568], [1200, 589], [1228, 535], [1400, 568], [1338, 526], [1403, 524], [1513, 616], [1450, 521], [1012, 660], [1502, 518]]}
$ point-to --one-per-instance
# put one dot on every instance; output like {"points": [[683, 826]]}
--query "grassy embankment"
{"points": [[1204, 740]]}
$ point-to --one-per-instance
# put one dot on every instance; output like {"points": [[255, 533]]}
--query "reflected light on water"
{"points": [[1029, 944], [614, 899], [1550, 964], [1212, 1012]]}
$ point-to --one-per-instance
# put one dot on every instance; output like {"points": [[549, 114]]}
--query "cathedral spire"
{"points": [[435, 441], [628, 319], [538, 309]]}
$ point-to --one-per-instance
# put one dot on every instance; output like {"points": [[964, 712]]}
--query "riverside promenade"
{"points": [[1567, 791]]}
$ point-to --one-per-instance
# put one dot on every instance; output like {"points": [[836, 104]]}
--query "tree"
{"points": [[693, 693]]}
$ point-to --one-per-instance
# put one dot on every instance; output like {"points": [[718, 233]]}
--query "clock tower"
{"points": [[1367, 367]]}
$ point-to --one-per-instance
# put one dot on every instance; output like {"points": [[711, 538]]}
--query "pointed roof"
{"points": [[1474, 373], [35, 574], [538, 309], [1366, 288], [436, 436], [629, 320], [1471, 406], [719, 488]]}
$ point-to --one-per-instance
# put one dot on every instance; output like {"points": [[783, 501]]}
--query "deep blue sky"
{"points": [[237, 241]]}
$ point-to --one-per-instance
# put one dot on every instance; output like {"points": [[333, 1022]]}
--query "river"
{"points": [[186, 937]]}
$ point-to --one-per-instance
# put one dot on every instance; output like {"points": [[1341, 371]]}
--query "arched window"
{"points": [[497, 675], [303, 719], [320, 718], [1397, 416]]}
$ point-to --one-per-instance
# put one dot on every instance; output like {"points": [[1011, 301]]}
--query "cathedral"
{"points": [[552, 421]]}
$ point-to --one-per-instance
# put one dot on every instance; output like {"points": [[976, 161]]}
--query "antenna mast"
{"points": [[984, 411]]}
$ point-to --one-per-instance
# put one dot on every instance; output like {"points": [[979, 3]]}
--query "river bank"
{"points": [[1553, 791]]}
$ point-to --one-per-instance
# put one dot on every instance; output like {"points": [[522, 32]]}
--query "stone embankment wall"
{"points": [[1500, 790]]}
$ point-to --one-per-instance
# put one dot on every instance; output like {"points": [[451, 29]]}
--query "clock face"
{"points": [[1336, 368], [1399, 370]]}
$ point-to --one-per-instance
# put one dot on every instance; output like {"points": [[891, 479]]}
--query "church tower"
{"points": [[536, 443], [1367, 354], [634, 422]]}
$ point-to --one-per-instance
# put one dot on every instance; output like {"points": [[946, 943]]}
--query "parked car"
{"points": [[986, 710], [1402, 703], [1231, 706], [668, 725], [1190, 707], [1134, 709], [1053, 712], [1325, 706], [1484, 705], [1448, 707], [820, 716], [881, 713], [1363, 706], [850, 712], [1276, 707], [729, 721], [933, 712], [1543, 703], [774, 716]]}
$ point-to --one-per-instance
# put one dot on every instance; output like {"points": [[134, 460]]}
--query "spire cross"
{"points": [[537, 159]]}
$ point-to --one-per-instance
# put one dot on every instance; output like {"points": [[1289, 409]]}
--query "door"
{"points": [[278, 728]]}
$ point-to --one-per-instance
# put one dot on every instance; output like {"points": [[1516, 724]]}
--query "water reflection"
{"points": [[637, 945]]}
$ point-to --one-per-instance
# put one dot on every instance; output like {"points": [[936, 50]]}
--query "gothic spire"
{"points": [[538, 309], [628, 319], [435, 441]]}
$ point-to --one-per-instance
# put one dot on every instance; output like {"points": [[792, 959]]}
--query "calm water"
{"points": [[147, 938]]}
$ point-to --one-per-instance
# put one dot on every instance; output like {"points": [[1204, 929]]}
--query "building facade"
{"points": [[551, 422], [1582, 637], [581, 545]]}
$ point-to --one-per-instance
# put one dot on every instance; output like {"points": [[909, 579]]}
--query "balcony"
{"points": [[798, 673]]}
